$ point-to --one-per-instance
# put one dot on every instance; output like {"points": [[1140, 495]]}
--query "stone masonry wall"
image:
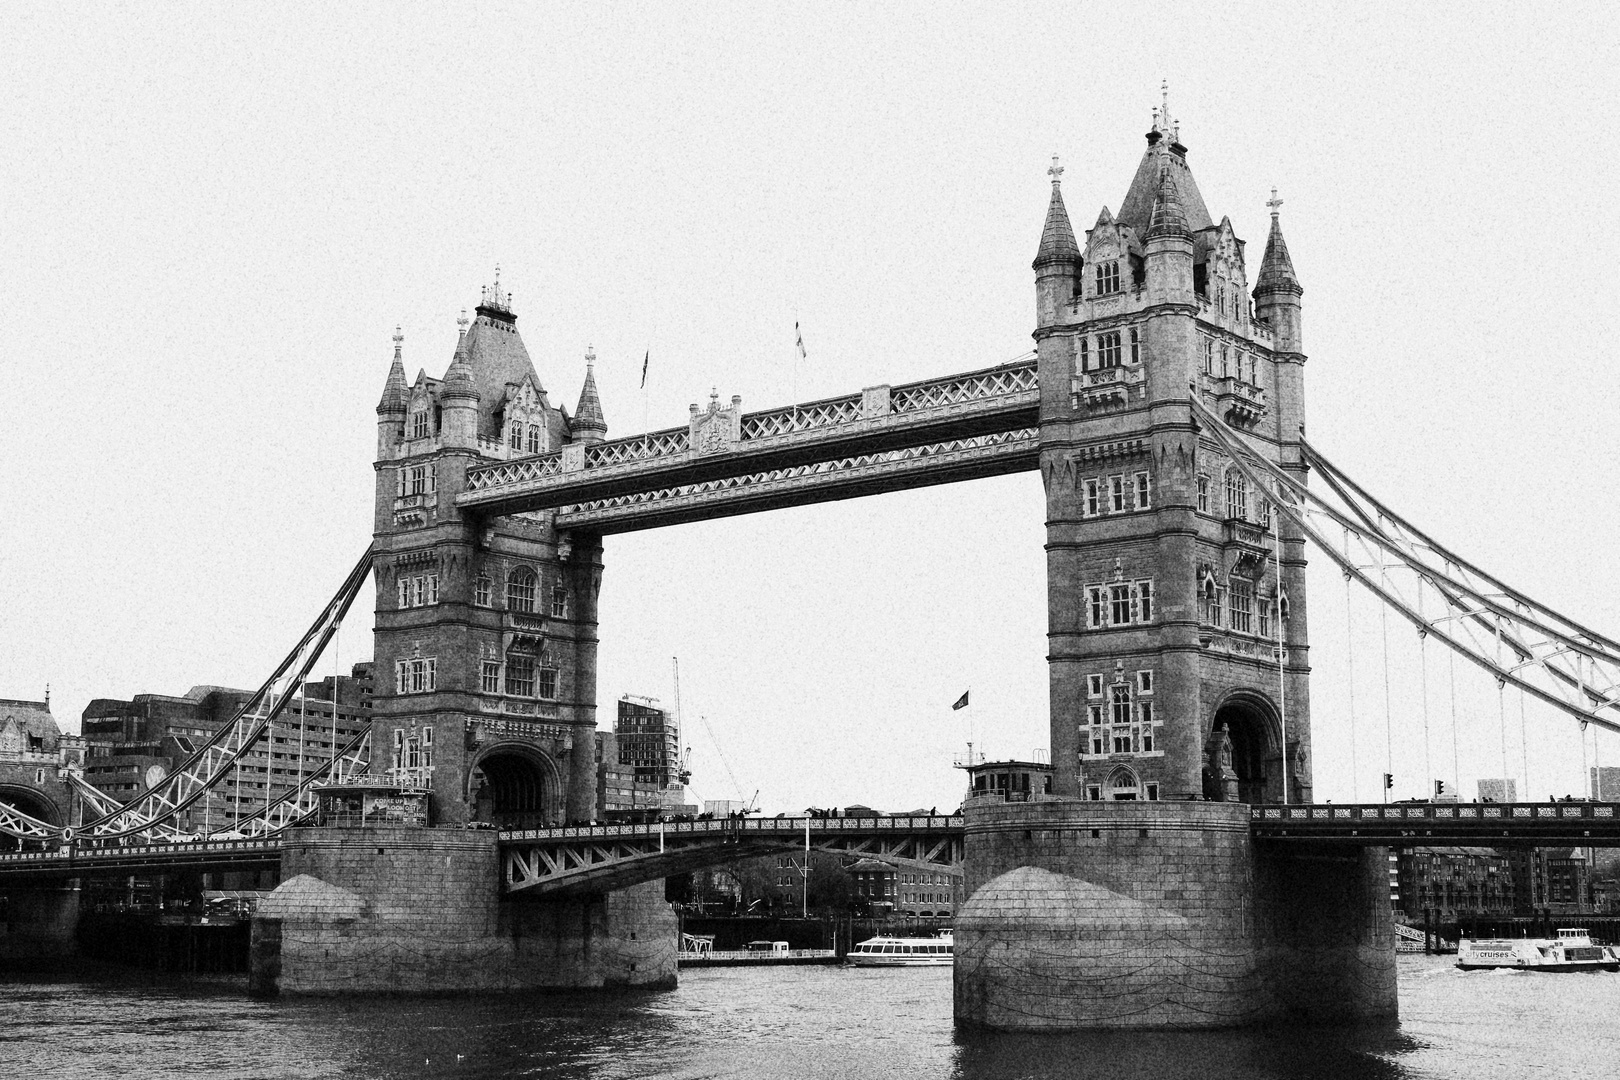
{"points": [[403, 910], [1087, 915]]}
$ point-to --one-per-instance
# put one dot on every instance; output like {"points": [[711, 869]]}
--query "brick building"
{"points": [[1452, 881]]}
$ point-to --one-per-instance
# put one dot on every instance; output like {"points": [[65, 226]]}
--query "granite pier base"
{"points": [[418, 911], [1088, 915]]}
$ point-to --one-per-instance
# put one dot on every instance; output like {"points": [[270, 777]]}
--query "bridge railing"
{"points": [[740, 826], [1469, 812]]}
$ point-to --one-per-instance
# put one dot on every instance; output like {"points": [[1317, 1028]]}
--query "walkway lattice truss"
{"points": [[1518, 640], [601, 858]]}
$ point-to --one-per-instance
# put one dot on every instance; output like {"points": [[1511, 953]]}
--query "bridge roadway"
{"points": [[599, 858], [724, 462]]}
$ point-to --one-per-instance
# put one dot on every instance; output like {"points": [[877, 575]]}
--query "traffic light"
{"points": [[1389, 781], [1439, 788]]}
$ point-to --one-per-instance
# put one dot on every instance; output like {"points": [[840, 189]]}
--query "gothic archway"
{"points": [[513, 786], [1243, 751]]}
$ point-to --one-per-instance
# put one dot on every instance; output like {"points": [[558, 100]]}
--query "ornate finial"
{"points": [[399, 340], [714, 395], [1164, 88], [1119, 571], [1274, 202], [1056, 171], [590, 356], [461, 323]]}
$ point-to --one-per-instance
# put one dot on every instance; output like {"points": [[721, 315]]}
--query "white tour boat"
{"points": [[903, 951], [1571, 950]]}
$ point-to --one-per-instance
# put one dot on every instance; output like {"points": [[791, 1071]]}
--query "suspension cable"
{"points": [[1584, 773], [1389, 728], [1423, 687], [1501, 720], [1456, 762], [1350, 663], [1282, 674]]}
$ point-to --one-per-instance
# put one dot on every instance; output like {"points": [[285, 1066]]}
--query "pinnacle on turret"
{"points": [[1057, 237], [1276, 269], [588, 417], [497, 302], [1168, 218], [458, 378], [395, 393]]}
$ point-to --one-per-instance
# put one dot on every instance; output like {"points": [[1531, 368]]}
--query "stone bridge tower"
{"points": [[485, 628], [1165, 597]]}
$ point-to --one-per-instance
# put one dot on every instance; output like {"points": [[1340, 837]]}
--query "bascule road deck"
{"points": [[599, 858]]}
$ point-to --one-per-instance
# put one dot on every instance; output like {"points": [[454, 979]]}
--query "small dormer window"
{"points": [[534, 438], [1108, 277], [514, 438], [419, 424]]}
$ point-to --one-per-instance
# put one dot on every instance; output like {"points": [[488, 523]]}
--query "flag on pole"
{"points": [[644, 360], [799, 338], [961, 702]]}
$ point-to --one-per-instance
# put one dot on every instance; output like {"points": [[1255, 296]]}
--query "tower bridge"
{"points": [[1163, 410]]}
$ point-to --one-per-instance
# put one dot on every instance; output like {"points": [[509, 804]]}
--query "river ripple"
{"points": [[781, 1024]]}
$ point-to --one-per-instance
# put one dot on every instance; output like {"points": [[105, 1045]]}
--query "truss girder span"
{"points": [[1518, 640], [546, 863]]}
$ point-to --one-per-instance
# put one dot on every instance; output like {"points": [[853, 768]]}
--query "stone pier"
{"points": [[1086, 915], [415, 910], [38, 924]]}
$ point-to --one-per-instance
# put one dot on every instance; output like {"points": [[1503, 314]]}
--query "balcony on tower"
{"points": [[1107, 387], [1241, 404]]}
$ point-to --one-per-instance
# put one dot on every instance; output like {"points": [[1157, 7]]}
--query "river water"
{"points": [[780, 1024]]}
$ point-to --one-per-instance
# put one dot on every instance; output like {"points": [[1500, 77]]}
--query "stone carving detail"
{"points": [[716, 430]]}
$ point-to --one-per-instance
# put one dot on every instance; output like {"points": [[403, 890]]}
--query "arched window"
{"points": [[520, 588], [1136, 346], [534, 438], [1122, 786], [514, 437]]}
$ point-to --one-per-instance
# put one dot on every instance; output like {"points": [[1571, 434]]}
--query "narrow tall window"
{"points": [[1203, 494], [1237, 495], [1209, 356], [481, 592], [514, 438], [1225, 362], [1108, 350], [1143, 492], [1095, 610], [1265, 619], [520, 675], [534, 439], [1108, 277], [1136, 346], [548, 683], [427, 748], [404, 592], [1093, 502], [1119, 603], [1264, 510], [1143, 601], [1254, 372], [1116, 494], [1121, 698], [489, 677], [1242, 603], [419, 424], [559, 602], [1085, 355], [520, 590], [1220, 295]]}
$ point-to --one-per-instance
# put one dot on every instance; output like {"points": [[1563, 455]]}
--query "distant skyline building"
{"points": [[1605, 783], [1499, 790]]}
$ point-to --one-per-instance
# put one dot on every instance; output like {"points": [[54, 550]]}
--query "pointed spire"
{"points": [[395, 393], [588, 417], [458, 379], [1276, 269], [1057, 237], [1168, 219]]}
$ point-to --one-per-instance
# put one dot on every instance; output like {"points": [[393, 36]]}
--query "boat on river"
{"points": [[904, 951], [1571, 950]]}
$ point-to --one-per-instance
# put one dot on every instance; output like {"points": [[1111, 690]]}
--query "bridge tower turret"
{"points": [[1057, 263], [485, 627], [1163, 584]]}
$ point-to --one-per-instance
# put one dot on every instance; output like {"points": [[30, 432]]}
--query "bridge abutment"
{"points": [[411, 910], [1086, 915], [38, 925]]}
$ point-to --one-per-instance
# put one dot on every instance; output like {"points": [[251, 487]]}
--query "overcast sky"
{"points": [[213, 217]]}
